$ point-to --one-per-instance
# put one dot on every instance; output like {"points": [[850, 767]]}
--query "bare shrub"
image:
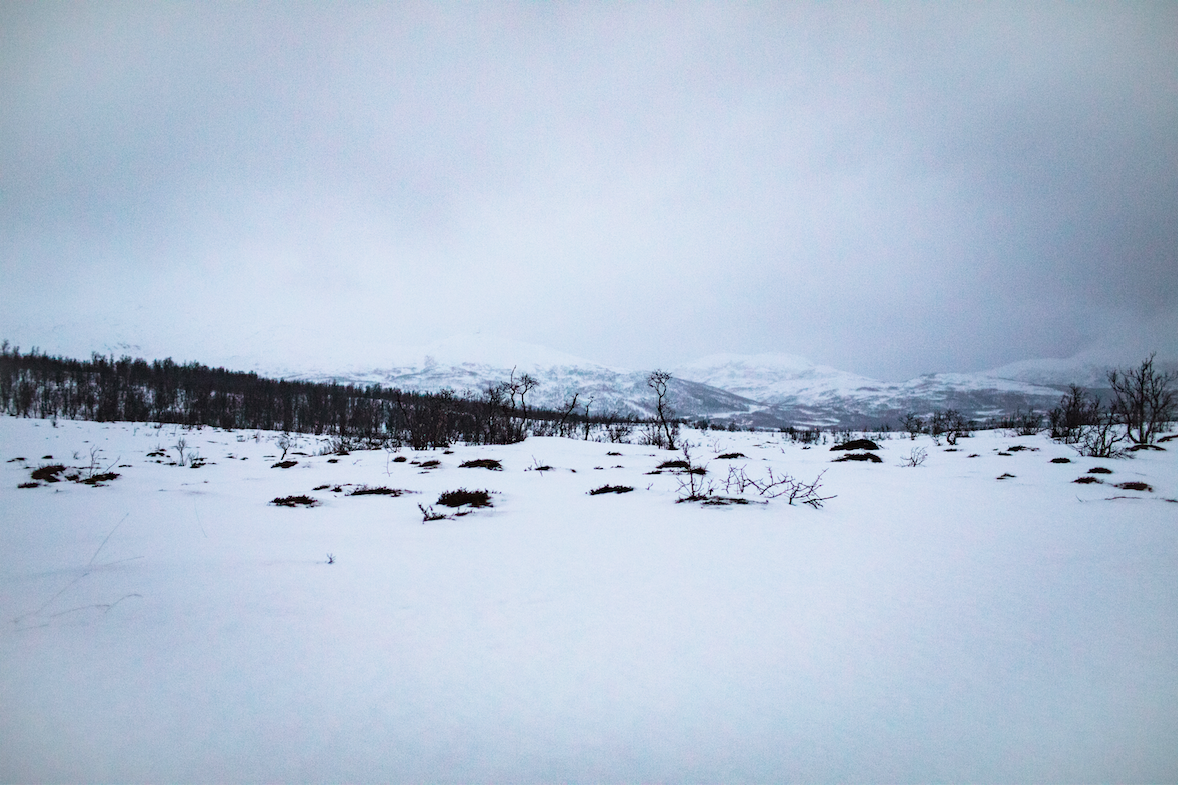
{"points": [[1077, 409], [1102, 438], [1144, 400], [428, 514], [773, 486], [915, 458]]}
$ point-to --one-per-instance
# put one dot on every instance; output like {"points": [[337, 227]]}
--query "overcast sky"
{"points": [[890, 189]]}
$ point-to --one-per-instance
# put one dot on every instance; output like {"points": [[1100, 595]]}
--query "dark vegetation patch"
{"points": [[400, 459], [14, 460], [1139, 447], [364, 490], [329, 460], [730, 456], [463, 497], [678, 464], [29, 485], [1004, 453], [1087, 480], [1061, 460], [294, 501], [951, 449], [321, 487], [724, 501], [611, 489], [47, 457], [973, 455], [710, 500], [1169, 438], [1134, 485], [48, 473], [1099, 470], [859, 456], [430, 464], [1021, 447], [1006, 476], [856, 444], [96, 479], [284, 464], [482, 463], [608, 453]]}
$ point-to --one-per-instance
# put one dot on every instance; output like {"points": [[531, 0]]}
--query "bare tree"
{"points": [[913, 424], [1077, 409], [1143, 400], [563, 426], [588, 403], [657, 381]]}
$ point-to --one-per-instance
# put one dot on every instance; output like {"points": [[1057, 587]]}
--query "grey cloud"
{"points": [[891, 190]]}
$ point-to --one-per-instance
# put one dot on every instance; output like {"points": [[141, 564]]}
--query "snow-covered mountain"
{"points": [[801, 392], [472, 363], [767, 390], [763, 389]]}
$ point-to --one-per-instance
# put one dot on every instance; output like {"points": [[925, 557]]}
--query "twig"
{"points": [[100, 547]]}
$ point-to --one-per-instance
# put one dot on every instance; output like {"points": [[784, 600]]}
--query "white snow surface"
{"points": [[928, 623]]}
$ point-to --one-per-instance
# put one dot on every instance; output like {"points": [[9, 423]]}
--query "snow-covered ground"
{"points": [[927, 623]]}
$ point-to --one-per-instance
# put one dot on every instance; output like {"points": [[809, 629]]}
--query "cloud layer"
{"points": [[888, 189]]}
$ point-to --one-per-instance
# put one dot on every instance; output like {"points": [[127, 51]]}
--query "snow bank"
{"points": [[929, 623]]}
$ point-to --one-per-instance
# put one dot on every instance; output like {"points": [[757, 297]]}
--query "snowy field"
{"points": [[928, 623]]}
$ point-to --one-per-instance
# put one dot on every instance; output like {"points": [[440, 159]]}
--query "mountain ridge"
{"points": [[766, 389]]}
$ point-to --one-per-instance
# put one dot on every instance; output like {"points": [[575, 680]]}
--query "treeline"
{"points": [[106, 389]]}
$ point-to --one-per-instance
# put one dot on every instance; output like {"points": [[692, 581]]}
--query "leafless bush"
{"points": [[914, 458], [1022, 423], [693, 487], [618, 431], [1144, 400], [1077, 409], [1102, 437]]}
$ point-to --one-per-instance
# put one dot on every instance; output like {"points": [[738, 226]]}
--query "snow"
{"points": [[928, 623], [793, 381]]}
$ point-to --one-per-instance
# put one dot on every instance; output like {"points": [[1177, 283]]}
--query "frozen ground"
{"points": [[929, 623]]}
